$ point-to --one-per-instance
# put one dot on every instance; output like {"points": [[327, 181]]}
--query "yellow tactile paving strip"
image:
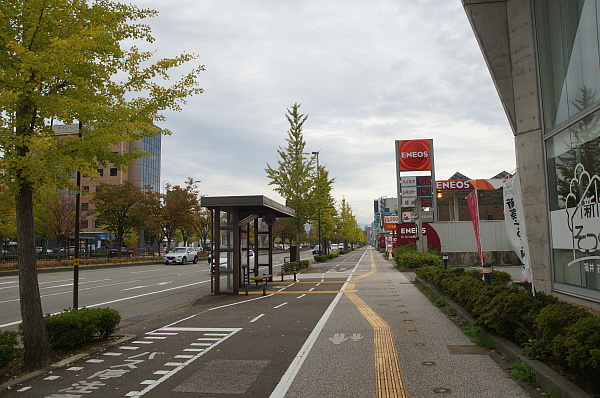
{"points": [[390, 382]]}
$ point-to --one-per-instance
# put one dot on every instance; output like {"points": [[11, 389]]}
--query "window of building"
{"points": [[567, 40], [85, 206], [101, 172], [113, 171], [84, 224], [567, 43], [86, 188], [574, 172]]}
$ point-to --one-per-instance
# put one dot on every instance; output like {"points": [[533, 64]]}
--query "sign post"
{"points": [[415, 191]]}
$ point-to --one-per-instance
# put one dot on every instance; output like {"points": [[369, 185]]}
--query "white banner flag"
{"points": [[514, 220]]}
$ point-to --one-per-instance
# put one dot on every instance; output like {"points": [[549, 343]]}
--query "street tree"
{"points": [[72, 62], [323, 201], [172, 213], [201, 224], [284, 229], [294, 177], [347, 223], [54, 216], [119, 210], [8, 219]]}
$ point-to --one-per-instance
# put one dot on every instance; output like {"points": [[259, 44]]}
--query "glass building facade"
{"points": [[567, 38], [150, 173]]}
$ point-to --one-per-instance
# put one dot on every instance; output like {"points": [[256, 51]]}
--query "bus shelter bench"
{"points": [[258, 279]]}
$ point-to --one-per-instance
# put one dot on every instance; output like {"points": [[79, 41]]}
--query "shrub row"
{"points": [[9, 347], [66, 330], [295, 264], [74, 327], [407, 256], [547, 329], [324, 257]]}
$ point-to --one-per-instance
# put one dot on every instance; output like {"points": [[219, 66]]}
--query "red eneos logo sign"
{"points": [[414, 155]]}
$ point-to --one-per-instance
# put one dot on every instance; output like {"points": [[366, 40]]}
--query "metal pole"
{"points": [[76, 252], [318, 204]]}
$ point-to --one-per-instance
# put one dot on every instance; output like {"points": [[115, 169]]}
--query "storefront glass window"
{"points": [[567, 39], [574, 186]]}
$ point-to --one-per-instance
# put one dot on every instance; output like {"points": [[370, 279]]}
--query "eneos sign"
{"points": [[414, 154]]}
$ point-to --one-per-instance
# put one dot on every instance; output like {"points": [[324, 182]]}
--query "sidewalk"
{"points": [[350, 358], [379, 336]]}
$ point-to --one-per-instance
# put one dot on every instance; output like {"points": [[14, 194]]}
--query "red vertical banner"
{"points": [[473, 204]]}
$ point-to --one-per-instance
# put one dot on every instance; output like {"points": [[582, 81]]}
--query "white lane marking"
{"points": [[133, 288], [127, 298], [302, 295], [152, 270], [257, 318], [291, 372], [280, 305], [196, 353]]}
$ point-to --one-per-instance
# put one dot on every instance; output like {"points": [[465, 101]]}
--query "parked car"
{"points": [[317, 249], [124, 252], [181, 255]]}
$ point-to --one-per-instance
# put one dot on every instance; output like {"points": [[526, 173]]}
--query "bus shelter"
{"points": [[242, 228]]}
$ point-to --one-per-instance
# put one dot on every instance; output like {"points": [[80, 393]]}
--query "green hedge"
{"points": [[407, 256], [72, 327], [324, 257], [555, 332], [9, 347], [295, 264]]}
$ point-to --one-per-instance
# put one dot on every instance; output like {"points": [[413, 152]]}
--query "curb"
{"points": [[9, 384], [549, 380]]}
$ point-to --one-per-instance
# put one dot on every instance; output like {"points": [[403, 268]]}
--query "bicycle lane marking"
{"points": [[390, 382], [288, 378]]}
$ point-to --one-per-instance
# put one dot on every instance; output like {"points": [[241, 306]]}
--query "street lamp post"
{"points": [[319, 210]]}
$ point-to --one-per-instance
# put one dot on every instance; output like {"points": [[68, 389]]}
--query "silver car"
{"points": [[181, 255]]}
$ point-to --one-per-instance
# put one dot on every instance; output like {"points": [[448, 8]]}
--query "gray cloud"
{"points": [[366, 73]]}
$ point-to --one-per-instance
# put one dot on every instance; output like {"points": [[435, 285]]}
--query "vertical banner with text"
{"points": [[514, 220], [473, 204]]}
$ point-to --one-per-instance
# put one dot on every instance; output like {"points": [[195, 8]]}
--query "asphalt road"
{"points": [[351, 327], [137, 292], [241, 344]]}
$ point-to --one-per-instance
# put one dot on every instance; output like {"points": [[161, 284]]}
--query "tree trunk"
{"points": [[38, 353]]}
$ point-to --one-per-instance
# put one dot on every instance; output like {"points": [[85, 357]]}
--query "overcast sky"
{"points": [[366, 73]]}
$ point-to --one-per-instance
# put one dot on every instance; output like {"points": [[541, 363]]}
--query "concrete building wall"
{"points": [[505, 31], [458, 236]]}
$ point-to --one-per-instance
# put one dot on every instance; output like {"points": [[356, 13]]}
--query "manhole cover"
{"points": [[441, 390]]}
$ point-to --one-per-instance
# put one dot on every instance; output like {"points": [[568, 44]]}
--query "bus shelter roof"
{"points": [[255, 204]]}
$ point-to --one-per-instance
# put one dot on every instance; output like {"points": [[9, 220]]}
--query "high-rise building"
{"points": [[142, 172]]}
